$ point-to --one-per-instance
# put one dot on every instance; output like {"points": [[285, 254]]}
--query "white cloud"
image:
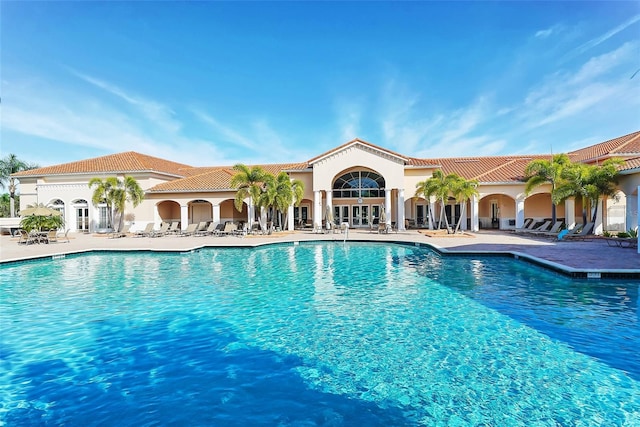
{"points": [[158, 113], [553, 30], [604, 37], [567, 94]]}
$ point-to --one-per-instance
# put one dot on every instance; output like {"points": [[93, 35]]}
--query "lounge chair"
{"points": [[527, 226], [121, 233], [542, 228], [207, 231], [189, 231], [146, 232], [161, 232], [622, 242], [552, 232], [583, 234], [173, 229], [255, 228], [229, 229]]}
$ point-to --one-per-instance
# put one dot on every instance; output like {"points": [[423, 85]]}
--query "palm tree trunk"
{"points": [[462, 211]]}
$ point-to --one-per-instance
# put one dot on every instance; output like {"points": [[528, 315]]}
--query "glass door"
{"points": [[364, 220], [355, 216], [82, 219]]}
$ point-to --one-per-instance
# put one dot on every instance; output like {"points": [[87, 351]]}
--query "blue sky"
{"points": [[216, 83]]}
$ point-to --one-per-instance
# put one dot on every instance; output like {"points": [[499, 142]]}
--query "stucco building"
{"points": [[355, 181]]}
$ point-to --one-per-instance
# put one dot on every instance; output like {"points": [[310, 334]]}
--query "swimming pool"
{"points": [[314, 334]]}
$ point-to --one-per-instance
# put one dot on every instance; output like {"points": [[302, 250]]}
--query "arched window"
{"points": [[359, 184]]}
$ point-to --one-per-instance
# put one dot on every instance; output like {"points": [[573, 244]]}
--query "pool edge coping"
{"points": [[571, 272]]}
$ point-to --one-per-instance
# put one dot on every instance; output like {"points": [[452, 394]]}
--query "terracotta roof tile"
{"points": [[631, 163], [488, 169], [126, 162], [217, 178], [627, 145]]}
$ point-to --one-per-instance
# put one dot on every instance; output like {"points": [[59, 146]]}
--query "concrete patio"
{"points": [[593, 258]]}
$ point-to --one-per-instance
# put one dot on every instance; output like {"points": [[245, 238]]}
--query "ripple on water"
{"points": [[314, 334]]}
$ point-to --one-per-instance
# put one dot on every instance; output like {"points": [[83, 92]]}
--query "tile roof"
{"points": [[631, 163], [496, 169], [623, 146], [126, 162], [488, 169], [217, 178]]}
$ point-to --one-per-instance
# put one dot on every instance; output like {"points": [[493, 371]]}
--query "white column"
{"points": [[216, 214], [570, 213], [638, 217], [631, 212], [520, 212], [400, 209], [290, 218], [597, 227], [184, 216], [387, 204], [157, 219], [329, 203], [317, 209], [474, 204]]}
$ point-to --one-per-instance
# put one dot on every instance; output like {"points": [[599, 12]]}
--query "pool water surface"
{"points": [[326, 334]]}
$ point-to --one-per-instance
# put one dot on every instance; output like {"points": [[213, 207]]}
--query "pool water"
{"points": [[315, 334]]}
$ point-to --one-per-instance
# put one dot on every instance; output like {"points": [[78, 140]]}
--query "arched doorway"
{"points": [[302, 214], [81, 208], [169, 211], [228, 212], [497, 211], [358, 197]]}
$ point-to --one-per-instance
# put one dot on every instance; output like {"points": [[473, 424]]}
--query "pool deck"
{"points": [[592, 259]]}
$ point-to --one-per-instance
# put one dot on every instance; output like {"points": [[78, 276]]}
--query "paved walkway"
{"points": [[591, 258]]}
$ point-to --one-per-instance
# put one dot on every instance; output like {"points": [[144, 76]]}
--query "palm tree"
{"points": [[115, 194], [125, 191], [463, 190], [438, 186], [287, 191], [8, 166], [572, 183], [589, 182], [249, 182], [543, 171], [426, 189], [103, 193], [602, 182]]}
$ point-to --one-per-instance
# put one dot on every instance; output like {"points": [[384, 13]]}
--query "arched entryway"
{"points": [[169, 211], [303, 214], [228, 212], [358, 197], [497, 211]]}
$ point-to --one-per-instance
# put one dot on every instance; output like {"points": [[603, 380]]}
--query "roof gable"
{"points": [[359, 142], [623, 146]]}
